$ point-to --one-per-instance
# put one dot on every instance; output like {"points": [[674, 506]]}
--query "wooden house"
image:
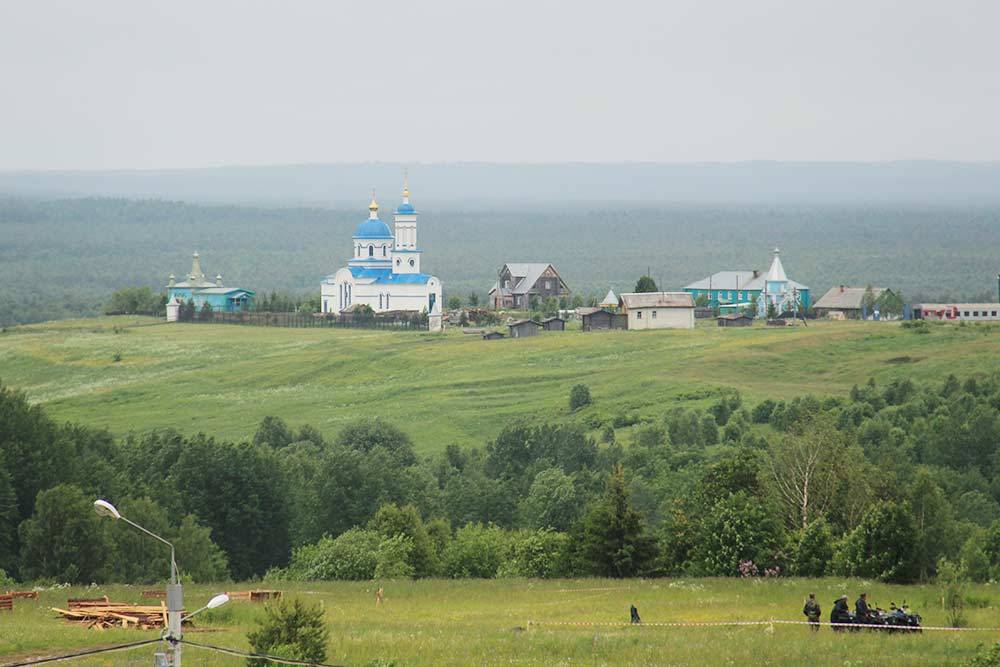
{"points": [[601, 319], [493, 335], [518, 283]]}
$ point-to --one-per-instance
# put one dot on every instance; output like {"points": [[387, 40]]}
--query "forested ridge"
{"points": [[889, 482], [65, 258]]}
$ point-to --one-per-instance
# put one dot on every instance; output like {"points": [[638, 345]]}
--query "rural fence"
{"points": [[308, 321]]}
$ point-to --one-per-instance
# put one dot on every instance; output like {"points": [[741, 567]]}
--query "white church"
{"points": [[384, 269]]}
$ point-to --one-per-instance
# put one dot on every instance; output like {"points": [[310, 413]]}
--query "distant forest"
{"points": [[64, 258]]}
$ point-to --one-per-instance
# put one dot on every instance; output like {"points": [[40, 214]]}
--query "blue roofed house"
{"points": [[384, 270], [200, 290], [739, 290]]}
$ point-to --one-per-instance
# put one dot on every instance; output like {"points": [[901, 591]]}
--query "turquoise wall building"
{"points": [[220, 298], [736, 290]]}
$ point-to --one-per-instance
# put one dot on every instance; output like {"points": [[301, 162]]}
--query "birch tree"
{"points": [[807, 468]]}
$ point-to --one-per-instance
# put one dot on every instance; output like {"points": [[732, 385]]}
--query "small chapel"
{"points": [[384, 270]]}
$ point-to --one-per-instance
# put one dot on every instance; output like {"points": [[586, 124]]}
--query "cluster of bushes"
{"points": [[890, 482]]}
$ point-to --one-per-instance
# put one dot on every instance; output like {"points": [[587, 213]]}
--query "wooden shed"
{"points": [[554, 324], [601, 319], [735, 320], [493, 335], [523, 328]]}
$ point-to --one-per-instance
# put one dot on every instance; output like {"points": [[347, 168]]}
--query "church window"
{"points": [[397, 261], [380, 301], [325, 309], [384, 251], [412, 263], [387, 301], [371, 251]]}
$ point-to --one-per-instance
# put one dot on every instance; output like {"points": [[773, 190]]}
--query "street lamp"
{"points": [[175, 592], [217, 601]]}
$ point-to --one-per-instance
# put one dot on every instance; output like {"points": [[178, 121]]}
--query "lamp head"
{"points": [[104, 508], [217, 601]]}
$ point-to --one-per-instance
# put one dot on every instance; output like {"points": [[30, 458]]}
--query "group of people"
{"points": [[840, 612]]}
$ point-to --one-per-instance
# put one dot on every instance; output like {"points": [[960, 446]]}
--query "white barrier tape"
{"points": [[708, 624]]}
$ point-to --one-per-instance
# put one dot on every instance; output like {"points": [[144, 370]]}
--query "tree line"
{"points": [[892, 482]]}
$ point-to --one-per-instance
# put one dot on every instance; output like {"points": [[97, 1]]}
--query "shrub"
{"points": [[351, 556], [883, 546], [814, 550], [392, 561], [579, 396], [539, 554], [476, 551], [290, 630]]}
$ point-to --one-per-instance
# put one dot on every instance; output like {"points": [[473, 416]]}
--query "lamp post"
{"points": [[175, 592]]}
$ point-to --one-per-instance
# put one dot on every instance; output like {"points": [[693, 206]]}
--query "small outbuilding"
{"points": [[601, 319], [524, 328], [554, 324], [735, 320], [493, 335], [657, 310]]}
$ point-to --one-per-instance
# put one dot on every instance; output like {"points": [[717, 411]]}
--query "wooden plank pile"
{"points": [[100, 613], [156, 594], [23, 595], [258, 595], [6, 603]]}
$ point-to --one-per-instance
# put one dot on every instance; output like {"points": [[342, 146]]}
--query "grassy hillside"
{"points": [[486, 623], [447, 388]]}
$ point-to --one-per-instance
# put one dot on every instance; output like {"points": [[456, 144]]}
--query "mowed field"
{"points": [[449, 388], [439, 623]]}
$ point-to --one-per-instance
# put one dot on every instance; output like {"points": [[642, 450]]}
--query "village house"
{"points": [[845, 303], [657, 310], [519, 283]]}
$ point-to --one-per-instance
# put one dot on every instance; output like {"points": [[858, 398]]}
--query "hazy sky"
{"points": [[136, 84]]}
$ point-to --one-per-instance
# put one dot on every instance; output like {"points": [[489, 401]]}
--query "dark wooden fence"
{"points": [[309, 321]]}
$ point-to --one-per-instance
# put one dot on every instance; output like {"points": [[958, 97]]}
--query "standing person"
{"points": [[812, 612], [861, 612], [635, 614]]}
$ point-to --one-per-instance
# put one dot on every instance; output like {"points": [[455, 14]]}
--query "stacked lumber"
{"points": [[6, 603], [23, 595], [258, 595], [100, 614], [156, 594]]}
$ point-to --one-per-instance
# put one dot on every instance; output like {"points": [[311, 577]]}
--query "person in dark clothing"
{"points": [[635, 615], [861, 612], [839, 613], [812, 611]]}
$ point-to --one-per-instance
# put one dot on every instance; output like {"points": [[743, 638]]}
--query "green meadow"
{"points": [[135, 374], [437, 623]]}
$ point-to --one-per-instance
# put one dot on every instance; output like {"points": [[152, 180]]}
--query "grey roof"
{"points": [[552, 319], [657, 300], [734, 316], [847, 298], [528, 274], [518, 323]]}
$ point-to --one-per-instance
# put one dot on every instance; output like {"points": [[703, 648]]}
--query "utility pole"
{"points": [[175, 592], [998, 288]]}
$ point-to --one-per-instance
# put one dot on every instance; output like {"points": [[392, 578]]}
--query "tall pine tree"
{"points": [[614, 541]]}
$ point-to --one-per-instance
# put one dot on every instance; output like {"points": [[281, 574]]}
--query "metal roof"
{"points": [[847, 298], [529, 273], [657, 300]]}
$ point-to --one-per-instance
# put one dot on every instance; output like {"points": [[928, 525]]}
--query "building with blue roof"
{"points": [[753, 290], [384, 269], [197, 288]]}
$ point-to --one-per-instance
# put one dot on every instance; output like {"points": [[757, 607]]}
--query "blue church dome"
{"points": [[406, 208], [373, 228]]}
